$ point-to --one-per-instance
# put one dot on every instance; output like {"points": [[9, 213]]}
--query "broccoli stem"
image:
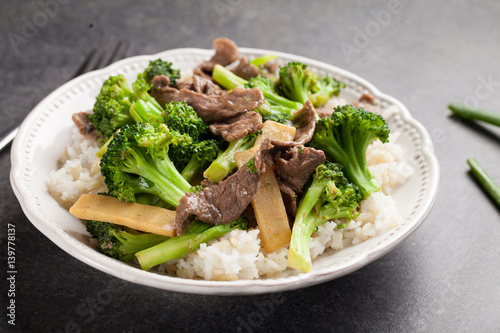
{"points": [[172, 186], [225, 163], [226, 78], [191, 169], [178, 246], [131, 244], [488, 184], [145, 111], [263, 59], [357, 169], [299, 256], [471, 113]]}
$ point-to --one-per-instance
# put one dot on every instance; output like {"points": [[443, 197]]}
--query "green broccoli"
{"points": [[141, 150], [300, 84], [345, 137], [111, 109], [118, 105], [145, 108], [202, 153], [326, 87], [181, 117], [192, 152], [190, 156], [176, 247], [329, 196], [120, 242], [224, 164], [160, 67]]}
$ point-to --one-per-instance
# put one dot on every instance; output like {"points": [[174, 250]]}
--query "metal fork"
{"points": [[104, 52]]}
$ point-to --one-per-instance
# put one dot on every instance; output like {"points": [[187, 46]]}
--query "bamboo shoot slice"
{"points": [[267, 203], [137, 216]]}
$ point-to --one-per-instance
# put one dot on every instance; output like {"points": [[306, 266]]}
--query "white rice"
{"points": [[238, 255], [78, 172]]}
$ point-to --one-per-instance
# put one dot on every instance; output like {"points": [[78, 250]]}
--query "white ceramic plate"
{"points": [[46, 131]]}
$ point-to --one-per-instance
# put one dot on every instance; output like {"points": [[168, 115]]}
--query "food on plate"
{"points": [[256, 165]]}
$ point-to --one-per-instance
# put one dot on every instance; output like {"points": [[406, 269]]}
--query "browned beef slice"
{"points": [[226, 52], [245, 69], [367, 102], [238, 126], [217, 108], [179, 84], [205, 86], [305, 122], [162, 92], [289, 199], [84, 126], [294, 166], [226, 201], [324, 112], [272, 67]]}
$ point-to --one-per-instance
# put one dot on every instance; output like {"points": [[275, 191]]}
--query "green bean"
{"points": [[485, 180], [468, 112]]}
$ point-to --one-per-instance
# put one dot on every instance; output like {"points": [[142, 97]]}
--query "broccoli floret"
{"points": [[176, 247], [330, 196], [141, 150], [119, 242], [345, 136], [296, 81], [145, 108], [224, 164], [117, 105], [202, 153], [111, 109], [181, 117], [194, 154], [160, 67], [300, 84], [326, 87]]}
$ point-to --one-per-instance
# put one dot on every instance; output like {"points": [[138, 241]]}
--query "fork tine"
{"points": [[102, 61], [120, 51], [105, 51], [90, 58]]}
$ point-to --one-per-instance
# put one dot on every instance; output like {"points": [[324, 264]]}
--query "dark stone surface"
{"points": [[444, 278]]}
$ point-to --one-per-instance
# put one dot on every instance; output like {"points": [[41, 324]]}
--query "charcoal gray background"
{"points": [[444, 278]]}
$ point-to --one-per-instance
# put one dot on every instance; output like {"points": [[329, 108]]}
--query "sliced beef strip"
{"points": [[84, 126], [205, 86], [226, 201], [162, 92], [367, 102], [217, 108], [179, 84], [294, 166], [289, 199], [305, 122], [272, 67], [238, 126], [245, 69], [324, 112], [226, 52]]}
